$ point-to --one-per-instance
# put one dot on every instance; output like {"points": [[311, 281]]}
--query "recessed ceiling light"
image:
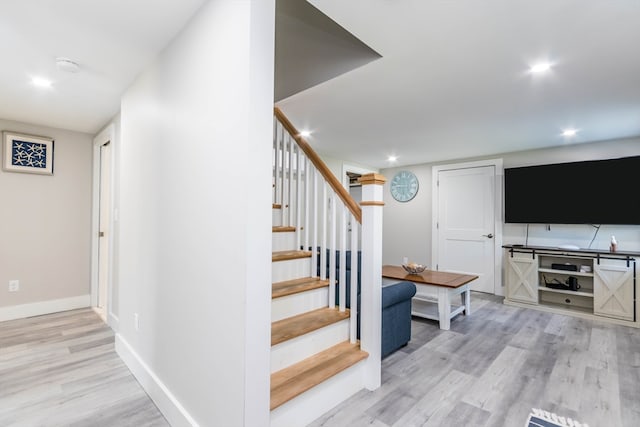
{"points": [[305, 133], [540, 67], [41, 82], [392, 158], [569, 132]]}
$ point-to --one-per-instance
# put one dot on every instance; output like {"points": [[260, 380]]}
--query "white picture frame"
{"points": [[27, 153]]}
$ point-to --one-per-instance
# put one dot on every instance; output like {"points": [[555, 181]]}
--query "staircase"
{"points": [[317, 359]]}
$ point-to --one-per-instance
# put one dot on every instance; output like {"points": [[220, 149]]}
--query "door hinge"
{"points": [[437, 225], [437, 267]]}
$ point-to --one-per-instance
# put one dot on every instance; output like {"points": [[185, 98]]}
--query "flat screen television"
{"points": [[589, 192]]}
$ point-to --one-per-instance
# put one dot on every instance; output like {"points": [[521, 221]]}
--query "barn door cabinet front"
{"points": [[522, 278], [613, 289]]}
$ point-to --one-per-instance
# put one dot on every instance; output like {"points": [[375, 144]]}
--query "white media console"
{"points": [[607, 282]]}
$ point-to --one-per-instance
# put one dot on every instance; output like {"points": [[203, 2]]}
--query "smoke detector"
{"points": [[65, 64]]}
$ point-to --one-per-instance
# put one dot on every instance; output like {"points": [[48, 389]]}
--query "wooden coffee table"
{"points": [[434, 287]]}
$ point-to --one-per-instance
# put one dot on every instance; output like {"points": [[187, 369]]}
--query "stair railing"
{"points": [[328, 221]]}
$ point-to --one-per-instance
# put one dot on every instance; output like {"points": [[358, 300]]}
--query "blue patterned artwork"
{"points": [[30, 154]]}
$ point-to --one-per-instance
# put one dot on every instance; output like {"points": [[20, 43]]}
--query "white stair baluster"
{"points": [[314, 214], [332, 252], [298, 223], [342, 291], [290, 200], [274, 161], [278, 199], [282, 175], [307, 198], [353, 314], [323, 245]]}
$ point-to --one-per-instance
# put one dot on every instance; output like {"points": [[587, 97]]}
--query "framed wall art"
{"points": [[27, 153]]}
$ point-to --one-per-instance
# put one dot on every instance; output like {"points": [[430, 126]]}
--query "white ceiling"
{"points": [[453, 83], [111, 40]]}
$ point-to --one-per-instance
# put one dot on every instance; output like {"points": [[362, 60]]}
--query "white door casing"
{"points": [[467, 224], [101, 266], [104, 230]]}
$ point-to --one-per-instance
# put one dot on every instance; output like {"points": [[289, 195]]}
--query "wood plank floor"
{"points": [[62, 370], [491, 368]]}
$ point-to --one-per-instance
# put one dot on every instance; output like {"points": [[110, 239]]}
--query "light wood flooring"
{"points": [[62, 370], [491, 368]]}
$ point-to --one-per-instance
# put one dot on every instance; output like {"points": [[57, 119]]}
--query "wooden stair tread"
{"points": [[287, 255], [296, 379], [282, 229], [295, 326], [290, 287]]}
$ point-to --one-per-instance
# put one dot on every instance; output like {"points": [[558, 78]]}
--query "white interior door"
{"points": [[103, 234], [465, 224]]}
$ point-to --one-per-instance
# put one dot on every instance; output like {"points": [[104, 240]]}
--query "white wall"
{"points": [[195, 218], [407, 226], [45, 227]]}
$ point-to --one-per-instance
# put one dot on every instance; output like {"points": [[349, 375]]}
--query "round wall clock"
{"points": [[404, 186]]}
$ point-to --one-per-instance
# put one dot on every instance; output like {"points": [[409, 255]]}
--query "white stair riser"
{"points": [[292, 305], [276, 217], [284, 241], [295, 350], [311, 404], [290, 269]]}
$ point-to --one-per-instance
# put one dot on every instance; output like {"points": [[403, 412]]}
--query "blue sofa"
{"points": [[396, 305]]}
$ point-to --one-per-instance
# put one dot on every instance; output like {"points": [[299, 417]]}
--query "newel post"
{"points": [[371, 284]]}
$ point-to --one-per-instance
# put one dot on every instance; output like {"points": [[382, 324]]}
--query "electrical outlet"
{"points": [[136, 321], [14, 285]]}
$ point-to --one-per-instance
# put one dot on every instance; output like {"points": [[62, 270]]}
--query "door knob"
{"points": [[490, 235]]}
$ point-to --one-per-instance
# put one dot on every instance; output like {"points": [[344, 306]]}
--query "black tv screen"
{"points": [[590, 192]]}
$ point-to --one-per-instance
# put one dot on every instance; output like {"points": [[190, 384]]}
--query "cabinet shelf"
{"points": [[561, 291], [566, 272]]}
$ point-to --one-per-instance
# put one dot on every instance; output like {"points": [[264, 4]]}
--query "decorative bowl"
{"points": [[413, 268]]}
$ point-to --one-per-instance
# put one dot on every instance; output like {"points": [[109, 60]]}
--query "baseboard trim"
{"points": [[44, 307], [173, 411], [114, 322]]}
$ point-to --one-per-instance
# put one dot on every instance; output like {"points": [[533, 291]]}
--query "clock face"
{"points": [[404, 186]]}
